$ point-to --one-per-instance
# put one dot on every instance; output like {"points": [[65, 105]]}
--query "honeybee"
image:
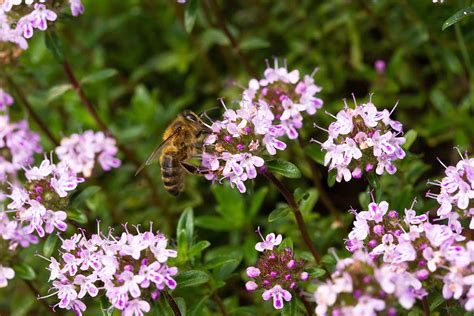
{"points": [[181, 140]]}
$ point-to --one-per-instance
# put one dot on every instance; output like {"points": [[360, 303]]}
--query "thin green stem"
{"points": [[426, 307], [214, 6], [172, 304], [318, 183], [37, 294], [29, 108], [296, 210], [220, 304]]}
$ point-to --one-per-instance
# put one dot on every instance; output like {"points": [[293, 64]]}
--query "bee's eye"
{"points": [[191, 117]]}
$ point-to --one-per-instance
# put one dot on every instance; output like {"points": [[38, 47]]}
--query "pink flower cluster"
{"points": [[129, 269], [398, 260], [18, 144], [237, 144], [287, 95], [277, 272], [17, 27], [352, 290], [80, 151], [456, 193], [38, 204], [363, 139]]}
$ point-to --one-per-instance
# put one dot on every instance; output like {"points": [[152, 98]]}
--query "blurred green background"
{"points": [[140, 68]]}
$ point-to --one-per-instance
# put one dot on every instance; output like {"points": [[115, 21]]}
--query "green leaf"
{"points": [[196, 309], [230, 204], [332, 178], [315, 153], [215, 223], [21, 304], [211, 37], [219, 261], [254, 43], [57, 91], [181, 305], [54, 46], [329, 260], [190, 15], [284, 168], [191, 278], [99, 76], [410, 137], [186, 222], [436, 302], [50, 245], [182, 246], [80, 200], [77, 216], [257, 201], [279, 213], [286, 243], [24, 271], [198, 248], [316, 273], [308, 200], [289, 308], [458, 16]]}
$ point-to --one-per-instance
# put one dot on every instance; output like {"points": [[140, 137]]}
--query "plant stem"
{"points": [[213, 6], [90, 108], [37, 294], [426, 307], [307, 305], [296, 210], [32, 112], [219, 303], [172, 304], [318, 183]]}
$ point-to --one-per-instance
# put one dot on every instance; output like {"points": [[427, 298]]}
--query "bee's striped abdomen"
{"points": [[172, 173]]}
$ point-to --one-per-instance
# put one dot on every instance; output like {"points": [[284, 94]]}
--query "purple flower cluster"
{"points": [[287, 96], [403, 258], [361, 140], [456, 193], [80, 151], [19, 19], [236, 145], [18, 144], [277, 272], [130, 269], [38, 204]]}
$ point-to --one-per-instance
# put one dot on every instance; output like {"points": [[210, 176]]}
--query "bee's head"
{"points": [[190, 116]]}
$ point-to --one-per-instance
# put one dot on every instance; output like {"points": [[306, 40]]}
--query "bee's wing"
{"points": [[156, 152]]}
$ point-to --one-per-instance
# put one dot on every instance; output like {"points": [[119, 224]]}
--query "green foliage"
{"points": [[142, 62]]}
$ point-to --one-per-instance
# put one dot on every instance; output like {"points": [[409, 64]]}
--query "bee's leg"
{"points": [[192, 169]]}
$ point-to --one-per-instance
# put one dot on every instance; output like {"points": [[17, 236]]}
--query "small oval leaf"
{"points": [[50, 245], [279, 213], [24, 271], [191, 278], [190, 15], [458, 16], [284, 168]]}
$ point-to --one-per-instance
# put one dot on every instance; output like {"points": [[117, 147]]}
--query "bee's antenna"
{"points": [[205, 115]]}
